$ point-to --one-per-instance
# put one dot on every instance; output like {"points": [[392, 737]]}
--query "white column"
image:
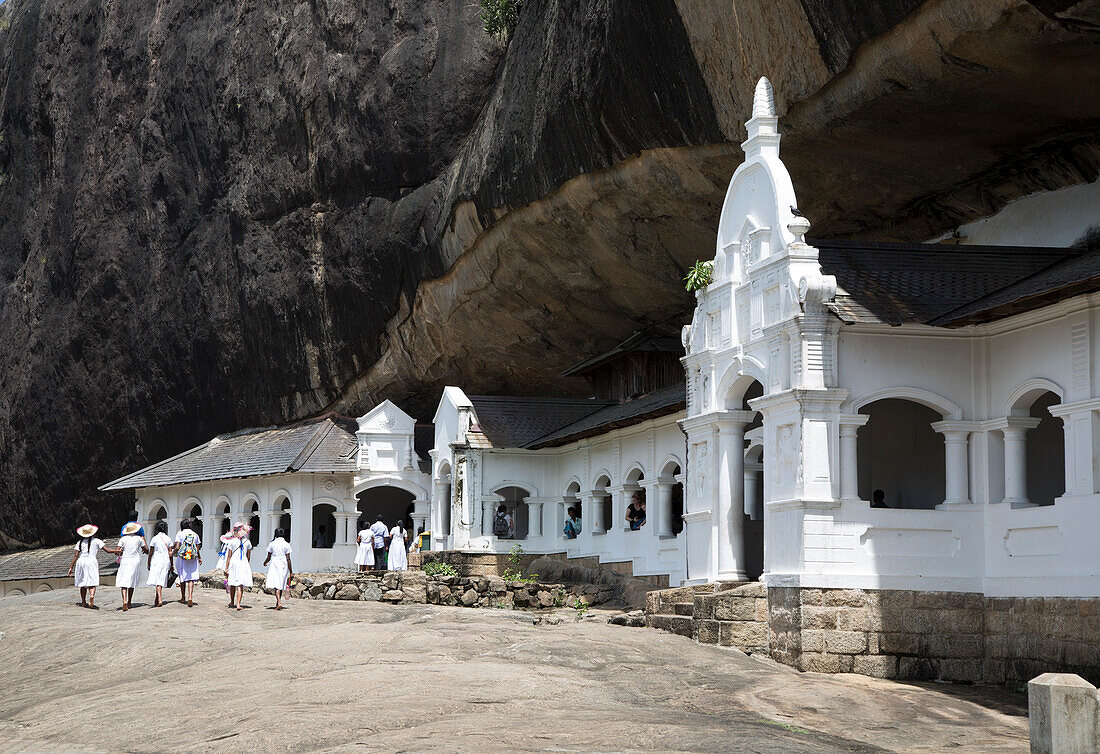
{"points": [[592, 518], [1081, 430], [731, 496], [957, 463], [663, 505], [754, 473], [849, 464], [534, 518], [210, 534], [266, 533], [1015, 435]]}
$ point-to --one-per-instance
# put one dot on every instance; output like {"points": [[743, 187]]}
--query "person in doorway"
{"points": [[188, 560], [416, 541], [86, 566], [160, 559], [572, 527], [133, 547], [320, 539], [504, 526], [364, 553], [281, 571], [240, 571], [635, 512], [380, 533], [396, 559], [878, 499]]}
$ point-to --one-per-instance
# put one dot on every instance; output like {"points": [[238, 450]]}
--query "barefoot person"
{"points": [[396, 560], [133, 547], [188, 560], [240, 572], [85, 564], [280, 571], [364, 555], [160, 560]]}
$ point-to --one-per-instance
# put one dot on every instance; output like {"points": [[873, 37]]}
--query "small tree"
{"points": [[699, 276], [500, 17]]}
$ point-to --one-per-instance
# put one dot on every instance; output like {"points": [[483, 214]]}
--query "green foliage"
{"points": [[515, 573], [581, 606], [500, 17], [436, 568], [699, 276]]}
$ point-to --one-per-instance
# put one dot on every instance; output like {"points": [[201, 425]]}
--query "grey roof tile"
{"points": [[649, 406], [50, 563], [318, 445], [513, 422]]}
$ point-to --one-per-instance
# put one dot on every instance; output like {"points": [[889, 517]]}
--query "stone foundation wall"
{"points": [[963, 637], [417, 587]]}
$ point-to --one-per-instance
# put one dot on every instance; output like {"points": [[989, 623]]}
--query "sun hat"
{"points": [[131, 528], [87, 530], [226, 538], [242, 526]]}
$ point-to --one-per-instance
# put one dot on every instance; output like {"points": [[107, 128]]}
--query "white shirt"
{"points": [[279, 548], [379, 530], [131, 545], [184, 533], [93, 547], [160, 544]]}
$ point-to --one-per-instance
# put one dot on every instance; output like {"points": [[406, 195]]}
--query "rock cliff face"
{"points": [[223, 214]]}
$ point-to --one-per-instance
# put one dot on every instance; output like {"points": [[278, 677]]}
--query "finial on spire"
{"points": [[763, 102]]}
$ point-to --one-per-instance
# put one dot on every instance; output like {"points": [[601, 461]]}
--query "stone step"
{"points": [[684, 608], [676, 624]]}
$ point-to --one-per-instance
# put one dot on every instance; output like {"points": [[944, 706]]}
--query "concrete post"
{"points": [[664, 506], [731, 496], [1016, 462], [1062, 709], [849, 465], [956, 435]]}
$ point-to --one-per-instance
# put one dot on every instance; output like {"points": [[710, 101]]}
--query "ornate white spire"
{"points": [[763, 126], [763, 102]]}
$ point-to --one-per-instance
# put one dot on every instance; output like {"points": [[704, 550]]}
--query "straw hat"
{"points": [[242, 526], [131, 528], [87, 530]]}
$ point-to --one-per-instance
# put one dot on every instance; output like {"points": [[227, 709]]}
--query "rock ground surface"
{"points": [[332, 676]]}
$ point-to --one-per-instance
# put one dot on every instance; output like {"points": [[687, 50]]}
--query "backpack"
{"points": [[500, 525], [188, 550]]}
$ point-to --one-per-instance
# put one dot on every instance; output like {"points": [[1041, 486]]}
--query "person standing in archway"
{"points": [[397, 559], [379, 533]]}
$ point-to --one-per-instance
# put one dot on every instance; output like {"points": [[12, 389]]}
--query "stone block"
{"points": [[813, 640], [897, 599], [819, 617], [812, 597], [994, 646], [705, 631], [752, 589], [877, 666], [844, 597], [1088, 607], [918, 621], [901, 643], [1063, 713], [967, 671], [819, 663], [703, 607], [348, 592], [743, 634], [917, 669], [393, 595], [761, 611], [370, 594], [330, 592], [733, 608], [864, 619], [960, 621], [781, 617], [993, 671], [469, 597], [845, 642]]}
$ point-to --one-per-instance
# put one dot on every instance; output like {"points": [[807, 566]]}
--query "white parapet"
{"points": [[1063, 710]]}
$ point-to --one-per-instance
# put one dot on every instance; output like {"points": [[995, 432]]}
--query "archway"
{"points": [[192, 509], [514, 499], [671, 521], [899, 453], [1046, 452], [254, 523], [393, 504], [603, 505], [282, 503], [571, 501], [634, 494], [324, 526]]}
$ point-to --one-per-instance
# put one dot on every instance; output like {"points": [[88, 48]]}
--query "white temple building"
{"points": [[959, 380]]}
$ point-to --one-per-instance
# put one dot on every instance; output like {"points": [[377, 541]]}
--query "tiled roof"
{"points": [[511, 422], [318, 445], [650, 339], [649, 406], [894, 283], [49, 563]]}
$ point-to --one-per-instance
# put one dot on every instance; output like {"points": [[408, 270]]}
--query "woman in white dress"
{"points": [[240, 572], [364, 555], [397, 560], [223, 565], [160, 560], [133, 547], [86, 566], [280, 571], [188, 552]]}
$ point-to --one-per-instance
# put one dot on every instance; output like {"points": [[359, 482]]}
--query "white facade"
{"points": [[302, 502], [763, 321], [470, 482]]}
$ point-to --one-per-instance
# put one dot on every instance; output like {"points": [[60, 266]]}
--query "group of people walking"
{"points": [[171, 560]]}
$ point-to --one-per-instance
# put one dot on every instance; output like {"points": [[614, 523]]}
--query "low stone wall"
{"points": [[912, 635], [417, 587]]}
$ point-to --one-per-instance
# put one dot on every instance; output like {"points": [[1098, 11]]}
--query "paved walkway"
{"points": [[341, 677]]}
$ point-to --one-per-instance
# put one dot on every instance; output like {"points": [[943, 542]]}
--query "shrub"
{"points": [[699, 276], [500, 17], [437, 568]]}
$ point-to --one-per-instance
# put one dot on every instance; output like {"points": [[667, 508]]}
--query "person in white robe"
{"points": [[133, 547], [364, 553], [396, 559], [237, 557], [85, 566], [160, 560], [280, 570]]}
